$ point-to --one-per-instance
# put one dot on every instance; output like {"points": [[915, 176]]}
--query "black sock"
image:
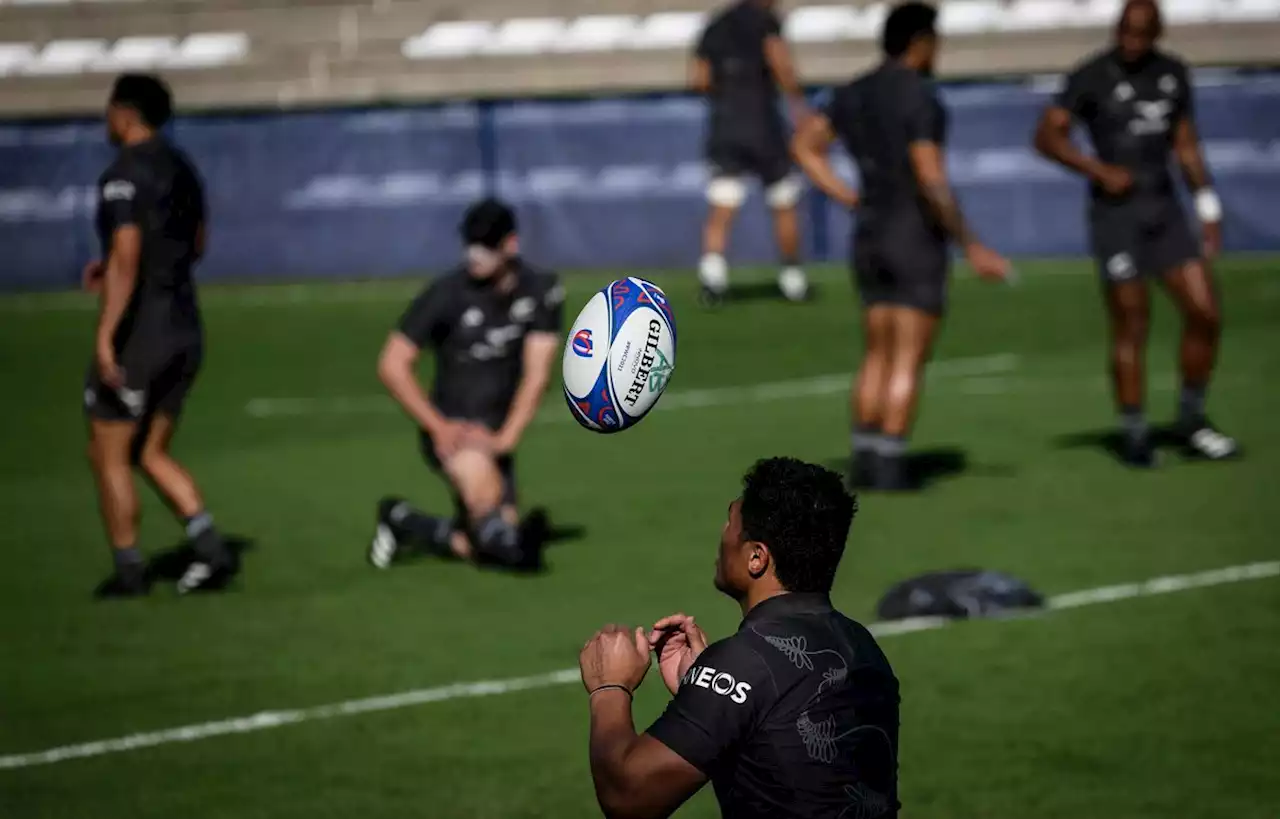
{"points": [[204, 538], [866, 438], [1191, 405], [497, 541], [431, 533], [127, 559], [1134, 422]]}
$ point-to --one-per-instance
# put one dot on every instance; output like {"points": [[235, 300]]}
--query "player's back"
{"points": [[733, 45], [876, 117], [155, 186]]}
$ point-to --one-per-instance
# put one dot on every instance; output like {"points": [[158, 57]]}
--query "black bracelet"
{"points": [[593, 691]]}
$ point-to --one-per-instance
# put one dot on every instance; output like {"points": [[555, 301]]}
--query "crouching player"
{"points": [[494, 326]]}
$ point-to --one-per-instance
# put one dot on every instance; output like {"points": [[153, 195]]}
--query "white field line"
{"points": [[486, 688], [679, 399]]}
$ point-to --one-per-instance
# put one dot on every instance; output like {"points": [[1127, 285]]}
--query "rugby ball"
{"points": [[619, 355]]}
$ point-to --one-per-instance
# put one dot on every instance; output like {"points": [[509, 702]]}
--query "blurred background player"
{"points": [[740, 63], [149, 343], [894, 126], [1136, 102], [494, 325]]}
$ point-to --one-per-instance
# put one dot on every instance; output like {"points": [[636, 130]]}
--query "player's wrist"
{"points": [[1208, 206], [609, 689]]}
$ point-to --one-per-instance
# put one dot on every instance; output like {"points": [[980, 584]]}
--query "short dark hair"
{"points": [[488, 222], [145, 93], [802, 512], [904, 24]]}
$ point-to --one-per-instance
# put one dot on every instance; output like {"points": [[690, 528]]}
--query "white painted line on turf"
{"points": [[487, 688], [677, 399]]}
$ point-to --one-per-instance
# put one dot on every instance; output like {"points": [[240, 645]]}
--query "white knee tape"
{"points": [[784, 193], [727, 192]]}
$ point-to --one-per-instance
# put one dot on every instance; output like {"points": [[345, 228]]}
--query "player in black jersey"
{"points": [[1136, 102], [494, 326], [794, 715], [740, 63], [894, 126], [149, 343]]}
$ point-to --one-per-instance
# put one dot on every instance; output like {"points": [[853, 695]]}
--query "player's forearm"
{"points": [[818, 168], [613, 735], [118, 283], [404, 388], [946, 209], [525, 406], [1194, 169], [1059, 148]]}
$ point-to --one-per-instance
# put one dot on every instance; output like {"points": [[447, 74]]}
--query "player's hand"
{"points": [[615, 656], [447, 438], [504, 442], [477, 436], [91, 276], [678, 641], [987, 263], [1211, 239], [108, 369], [1115, 180]]}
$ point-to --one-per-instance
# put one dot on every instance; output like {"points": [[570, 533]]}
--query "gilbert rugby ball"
{"points": [[619, 356]]}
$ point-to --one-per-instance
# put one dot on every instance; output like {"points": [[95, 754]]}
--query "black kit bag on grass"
{"points": [[963, 594]]}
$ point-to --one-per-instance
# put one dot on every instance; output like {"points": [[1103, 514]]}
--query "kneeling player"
{"points": [[494, 325], [1136, 102]]}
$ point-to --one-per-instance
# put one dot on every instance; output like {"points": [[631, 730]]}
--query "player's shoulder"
{"points": [[539, 279], [727, 662], [1168, 63], [445, 283], [1097, 64]]}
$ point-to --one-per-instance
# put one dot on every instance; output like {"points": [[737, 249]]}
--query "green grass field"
{"points": [[1155, 707]]}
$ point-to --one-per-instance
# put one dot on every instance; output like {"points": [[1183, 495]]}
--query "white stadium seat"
{"points": [[66, 56], [211, 49], [1039, 15], [821, 24], [134, 53], [669, 30], [532, 35], [598, 32], [13, 56], [1242, 11], [966, 17], [447, 40]]}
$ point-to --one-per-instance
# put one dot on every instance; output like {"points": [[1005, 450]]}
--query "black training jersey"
{"points": [[478, 336], [876, 117], [156, 188], [1131, 112], [743, 95], [795, 715]]}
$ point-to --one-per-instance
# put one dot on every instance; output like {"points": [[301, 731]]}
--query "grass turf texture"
{"points": [[1147, 708]]}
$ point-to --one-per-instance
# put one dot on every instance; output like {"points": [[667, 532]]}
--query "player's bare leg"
{"points": [[867, 398], [1193, 290], [1128, 311], [494, 525], [109, 457], [783, 198], [725, 197], [912, 341], [213, 563]]}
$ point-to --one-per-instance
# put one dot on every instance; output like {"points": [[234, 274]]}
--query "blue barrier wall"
{"points": [[598, 183]]}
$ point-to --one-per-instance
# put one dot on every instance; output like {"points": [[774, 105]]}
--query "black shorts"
{"points": [[764, 156], [506, 467], [903, 268], [157, 378], [1132, 242]]}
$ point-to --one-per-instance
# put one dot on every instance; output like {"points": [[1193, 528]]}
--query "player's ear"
{"points": [[758, 559], [511, 245]]}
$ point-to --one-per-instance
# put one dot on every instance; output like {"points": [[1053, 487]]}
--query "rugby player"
{"points": [[795, 715], [494, 326], [740, 63], [894, 126], [1136, 102], [149, 341]]}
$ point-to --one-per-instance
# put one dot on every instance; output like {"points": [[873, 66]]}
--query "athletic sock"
{"points": [[1134, 422], [1191, 406], [126, 559], [432, 533], [713, 272], [497, 541], [205, 539], [793, 282], [892, 446], [866, 438]]}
